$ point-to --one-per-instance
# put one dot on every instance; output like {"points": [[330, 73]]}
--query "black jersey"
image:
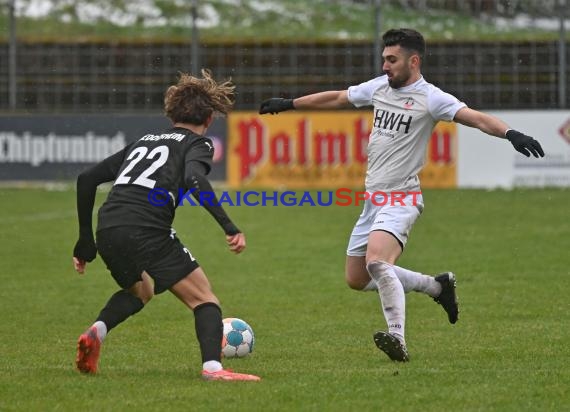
{"points": [[157, 163]]}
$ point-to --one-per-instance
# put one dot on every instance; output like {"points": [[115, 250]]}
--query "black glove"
{"points": [[524, 144], [276, 105], [85, 249]]}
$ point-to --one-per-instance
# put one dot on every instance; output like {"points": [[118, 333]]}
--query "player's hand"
{"points": [[84, 251], [524, 144], [236, 242], [79, 265], [276, 105]]}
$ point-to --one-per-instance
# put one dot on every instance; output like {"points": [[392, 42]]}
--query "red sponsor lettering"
{"points": [[374, 198], [565, 131], [340, 194], [397, 197], [336, 150], [361, 196], [415, 197], [250, 149], [279, 149], [302, 147], [440, 147]]}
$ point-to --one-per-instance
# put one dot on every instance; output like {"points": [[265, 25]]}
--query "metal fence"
{"points": [[74, 76], [95, 77]]}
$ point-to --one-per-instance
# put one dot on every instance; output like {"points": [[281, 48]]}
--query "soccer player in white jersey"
{"points": [[406, 109]]}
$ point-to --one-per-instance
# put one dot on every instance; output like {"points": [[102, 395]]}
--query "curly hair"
{"points": [[193, 100]]}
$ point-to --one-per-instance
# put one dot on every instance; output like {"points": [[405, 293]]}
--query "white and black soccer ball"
{"points": [[238, 338]]}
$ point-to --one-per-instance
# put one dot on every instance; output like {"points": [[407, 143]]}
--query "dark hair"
{"points": [[193, 99], [408, 39]]}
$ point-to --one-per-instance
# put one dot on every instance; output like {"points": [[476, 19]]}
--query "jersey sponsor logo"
{"points": [[165, 136], [387, 120], [409, 103], [210, 148]]}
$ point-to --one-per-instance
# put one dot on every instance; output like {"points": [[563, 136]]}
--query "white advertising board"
{"points": [[487, 162]]}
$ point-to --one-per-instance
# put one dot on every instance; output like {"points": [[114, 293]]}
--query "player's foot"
{"points": [[448, 298], [228, 375], [88, 348], [391, 346]]}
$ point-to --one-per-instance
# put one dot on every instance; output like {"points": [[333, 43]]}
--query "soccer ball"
{"points": [[238, 338]]}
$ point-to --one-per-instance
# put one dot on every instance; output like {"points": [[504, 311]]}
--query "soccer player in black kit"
{"points": [[135, 238]]}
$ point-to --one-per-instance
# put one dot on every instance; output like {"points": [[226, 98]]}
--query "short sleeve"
{"points": [[361, 95], [443, 106]]}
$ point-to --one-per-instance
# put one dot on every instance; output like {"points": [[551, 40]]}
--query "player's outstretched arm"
{"points": [[494, 126], [335, 99]]}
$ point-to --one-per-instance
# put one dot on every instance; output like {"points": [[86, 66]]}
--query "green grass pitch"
{"points": [[314, 349]]}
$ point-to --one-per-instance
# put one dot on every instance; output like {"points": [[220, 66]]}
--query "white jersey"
{"points": [[404, 119]]}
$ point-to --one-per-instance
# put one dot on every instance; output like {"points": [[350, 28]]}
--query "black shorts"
{"points": [[129, 250]]}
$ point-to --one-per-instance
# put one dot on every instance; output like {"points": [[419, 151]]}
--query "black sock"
{"points": [[121, 305], [209, 331]]}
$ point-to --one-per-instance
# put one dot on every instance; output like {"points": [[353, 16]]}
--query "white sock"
{"points": [[101, 330], [371, 286], [417, 282], [212, 366], [411, 281], [392, 296]]}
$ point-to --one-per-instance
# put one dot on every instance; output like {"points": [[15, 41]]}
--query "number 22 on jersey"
{"points": [[159, 153]]}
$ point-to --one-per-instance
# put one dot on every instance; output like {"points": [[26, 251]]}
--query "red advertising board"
{"points": [[300, 150]]}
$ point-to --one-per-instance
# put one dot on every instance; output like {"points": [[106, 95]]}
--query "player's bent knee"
{"points": [[355, 274], [143, 290], [353, 283], [377, 269], [357, 281], [144, 296]]}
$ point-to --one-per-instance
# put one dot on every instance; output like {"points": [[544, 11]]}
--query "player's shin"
{"points": [[417, 282], [392, 296], [209, 331], [119, 307]]}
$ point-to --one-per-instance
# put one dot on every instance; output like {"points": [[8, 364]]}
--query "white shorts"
{"points": [[396, 219]]}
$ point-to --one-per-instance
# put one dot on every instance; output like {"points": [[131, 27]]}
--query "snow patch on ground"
{"points": [[150, 15]]}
